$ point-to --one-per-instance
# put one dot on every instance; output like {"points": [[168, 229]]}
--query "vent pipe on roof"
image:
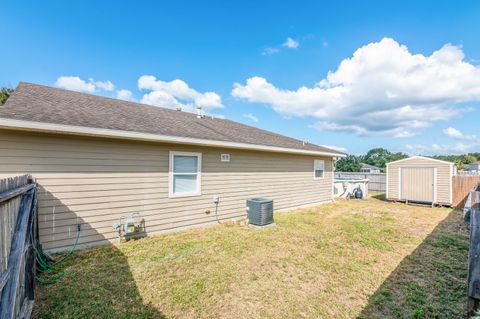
{"points": [[199, 112], [179, 108]]}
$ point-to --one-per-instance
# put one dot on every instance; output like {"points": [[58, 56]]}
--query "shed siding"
{"points": [[96, 181], [443, 177]]}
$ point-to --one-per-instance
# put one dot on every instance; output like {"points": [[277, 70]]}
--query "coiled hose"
{"points": [[46, 265]]}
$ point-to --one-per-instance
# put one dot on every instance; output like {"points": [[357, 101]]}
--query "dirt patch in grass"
{"points": [[350, 259]]}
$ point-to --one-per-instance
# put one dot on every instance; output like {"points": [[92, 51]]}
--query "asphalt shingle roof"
{"points": [[38, 103]]}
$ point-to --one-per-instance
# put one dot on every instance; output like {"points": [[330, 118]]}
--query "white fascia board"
{"points": [[130, 135]]}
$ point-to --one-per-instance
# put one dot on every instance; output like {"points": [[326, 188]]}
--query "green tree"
{"points": [[5, 94], [460, 165], [380, 157], [349, 163], [459, 160], [469, 159], [376, 157], [476, 155]]}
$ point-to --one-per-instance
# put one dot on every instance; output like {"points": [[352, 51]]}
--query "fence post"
{"points": [[17, 255], [473, 280], [17, 281]]}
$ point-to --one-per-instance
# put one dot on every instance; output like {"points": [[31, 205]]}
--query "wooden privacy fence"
{"points": [[18, 233], [461, 187], [473, 206], [378, 181]]}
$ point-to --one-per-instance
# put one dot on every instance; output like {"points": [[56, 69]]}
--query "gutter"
{"points": [[30, 126]]}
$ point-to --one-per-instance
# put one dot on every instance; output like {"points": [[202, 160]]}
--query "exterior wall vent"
{"points": [[225, 157], [260, 211]]}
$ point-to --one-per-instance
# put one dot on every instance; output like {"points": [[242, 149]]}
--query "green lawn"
{"points": [[350, 259]]}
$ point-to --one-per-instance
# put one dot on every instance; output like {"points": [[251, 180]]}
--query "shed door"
{"points": [[418, 184]]}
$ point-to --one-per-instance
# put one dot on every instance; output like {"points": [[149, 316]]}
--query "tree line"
{"points": [[379, 157], [4, 94]]}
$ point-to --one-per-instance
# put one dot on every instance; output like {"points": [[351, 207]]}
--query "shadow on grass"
{"points": [[379, 196], [99, 284], [429, 283]]}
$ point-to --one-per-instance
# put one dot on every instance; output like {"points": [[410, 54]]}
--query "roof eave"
{"points": [[32, 126]]}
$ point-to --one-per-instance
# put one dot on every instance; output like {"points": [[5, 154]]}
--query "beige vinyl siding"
{"points": [[96, 181], [443, 177]]}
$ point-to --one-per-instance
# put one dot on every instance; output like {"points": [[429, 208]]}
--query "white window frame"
{"points": [[225, 158], [314, 169], [198, 191]]}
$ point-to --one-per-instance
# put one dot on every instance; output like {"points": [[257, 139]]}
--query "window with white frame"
{"points": [[185, 173], [318, 169]]}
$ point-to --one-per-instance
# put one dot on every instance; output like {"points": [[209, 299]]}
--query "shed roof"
{"points": [[43, 108], [422, 157]]}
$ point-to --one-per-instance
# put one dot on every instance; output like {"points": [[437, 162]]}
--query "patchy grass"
{"points": [[350, 259]]}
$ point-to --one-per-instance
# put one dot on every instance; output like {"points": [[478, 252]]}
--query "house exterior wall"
{"points": [[96, 181], [444, 172], [473, 167]]}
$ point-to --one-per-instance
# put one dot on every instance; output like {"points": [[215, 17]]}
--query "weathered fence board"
{"points": [[461, 187], [378, 181], [18, 224], [474, 252], [8, 214]]}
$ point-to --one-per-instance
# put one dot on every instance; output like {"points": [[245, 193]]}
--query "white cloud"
{"points": [[442, 149], [270, 51], [291, 43], [176, 93], [217, 116], [103, 85], [383, 89], [75, 83], [125, 95], [457, 134], [251, 117]]}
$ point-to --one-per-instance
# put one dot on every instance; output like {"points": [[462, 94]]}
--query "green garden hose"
{"points": [[50, 267]]}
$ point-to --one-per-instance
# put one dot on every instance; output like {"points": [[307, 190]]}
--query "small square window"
{"points": [[225, 157]]}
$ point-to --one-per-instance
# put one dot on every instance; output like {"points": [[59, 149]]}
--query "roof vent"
{"points": [[179, 108], [199, 112]]}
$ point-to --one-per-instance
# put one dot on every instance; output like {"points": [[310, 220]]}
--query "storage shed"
{"points": [[420, 179]]}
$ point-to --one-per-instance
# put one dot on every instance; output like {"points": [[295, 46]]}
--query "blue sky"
{"points": [[394, 93]]}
